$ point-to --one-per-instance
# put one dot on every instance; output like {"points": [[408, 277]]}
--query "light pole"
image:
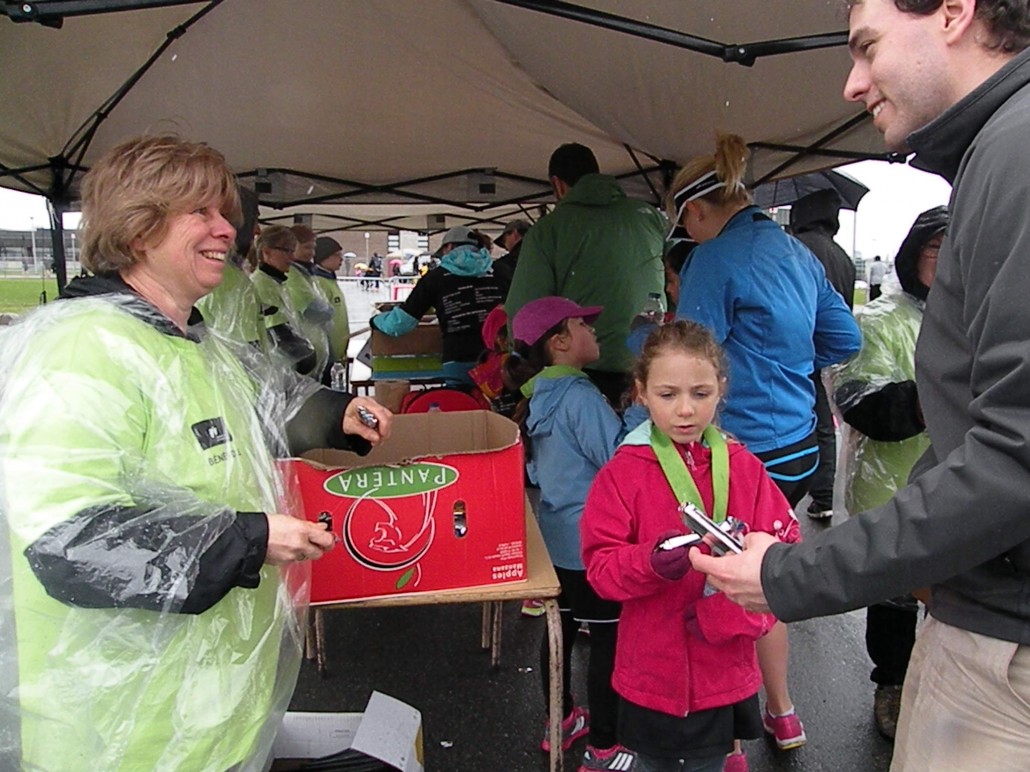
{"points": [[35, 257], [367, 236]]}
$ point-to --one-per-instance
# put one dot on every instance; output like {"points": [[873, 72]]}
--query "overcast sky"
{"points": [[897, 194]]}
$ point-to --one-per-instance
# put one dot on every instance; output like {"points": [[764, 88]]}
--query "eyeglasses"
{"points": [[282, 249]]}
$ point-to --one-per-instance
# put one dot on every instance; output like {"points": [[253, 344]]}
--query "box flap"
{"points": [[314, 735], [391, 731], [421, 435]]}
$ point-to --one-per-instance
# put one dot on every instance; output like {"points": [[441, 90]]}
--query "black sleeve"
{"points": [[888, 415], [297, 349], [319, 424], [124, 557], [423, 295]]}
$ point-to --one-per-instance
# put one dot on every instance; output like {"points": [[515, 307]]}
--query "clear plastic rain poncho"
{"points": [[876, 390], [139, 628], [878, 384]]}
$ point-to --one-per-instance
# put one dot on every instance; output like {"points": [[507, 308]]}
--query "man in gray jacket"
{"points": [[950, 81]]}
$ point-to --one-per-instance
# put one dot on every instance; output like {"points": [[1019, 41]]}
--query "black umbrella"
{"points": [[787, 191]]}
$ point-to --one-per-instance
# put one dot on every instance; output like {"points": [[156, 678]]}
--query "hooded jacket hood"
{"points": [[547, 392], [467, 260], [101, 284], [816, 211], [594, 190], [906, 264], [130, 301]]}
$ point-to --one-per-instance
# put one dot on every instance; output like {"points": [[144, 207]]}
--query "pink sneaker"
{"points": [[572, 728], [735, 762], [787, 730]]}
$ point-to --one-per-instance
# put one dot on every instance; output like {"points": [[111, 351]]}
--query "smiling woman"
{"points": [[158, 213], [153, 549]]}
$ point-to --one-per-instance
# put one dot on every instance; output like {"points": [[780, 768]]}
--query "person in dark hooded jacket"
{"points": [[814, 221], [877, 395]]}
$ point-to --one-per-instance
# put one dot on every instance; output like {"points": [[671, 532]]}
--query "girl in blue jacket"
{"points": [[570, 432]]}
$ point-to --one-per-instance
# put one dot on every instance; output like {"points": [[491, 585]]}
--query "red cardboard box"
{"points": [[440, 505]]}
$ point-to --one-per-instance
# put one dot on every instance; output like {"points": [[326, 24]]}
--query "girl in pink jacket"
{"points": [[685, 668]]}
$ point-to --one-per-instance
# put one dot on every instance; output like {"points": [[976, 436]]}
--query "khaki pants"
{"points": [[965, 705]]}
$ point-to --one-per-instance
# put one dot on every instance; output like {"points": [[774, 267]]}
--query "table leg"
{"points": [[320, 656], [554, 649], [309, 635], [495, 634], [484, 639]]}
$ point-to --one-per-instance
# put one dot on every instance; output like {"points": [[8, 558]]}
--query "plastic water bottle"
{"points": [[654, 308], [338, 377]]}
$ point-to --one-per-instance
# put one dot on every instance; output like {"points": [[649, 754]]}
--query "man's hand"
{"points": [[352, 423], [291, 540], [739, 576]]}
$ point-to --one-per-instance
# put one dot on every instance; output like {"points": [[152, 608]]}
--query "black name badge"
{"points": [[211, 433]]}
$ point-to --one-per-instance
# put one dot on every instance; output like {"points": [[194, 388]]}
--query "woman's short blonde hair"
{"points": [[729, 162], [276, 237], [133, 191]]}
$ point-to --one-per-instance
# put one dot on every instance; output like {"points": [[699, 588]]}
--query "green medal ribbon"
{"points": [[676, 472]]}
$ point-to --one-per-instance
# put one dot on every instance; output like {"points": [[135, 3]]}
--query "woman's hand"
{"points": [[291, 540], [352, 423]]}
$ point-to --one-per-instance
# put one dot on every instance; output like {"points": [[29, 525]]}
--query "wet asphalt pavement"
{"points": [[480, 719]]}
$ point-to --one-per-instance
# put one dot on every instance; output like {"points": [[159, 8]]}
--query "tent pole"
{"points": [[741, 53], [57, 210]]}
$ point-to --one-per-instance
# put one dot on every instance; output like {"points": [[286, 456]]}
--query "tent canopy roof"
{"points": [[414, 106]]}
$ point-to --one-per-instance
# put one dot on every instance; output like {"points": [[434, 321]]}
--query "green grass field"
{"points": [[20, 295]]}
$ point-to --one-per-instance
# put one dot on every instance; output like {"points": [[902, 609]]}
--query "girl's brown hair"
{"points": [[686, 337], [525, 362]]}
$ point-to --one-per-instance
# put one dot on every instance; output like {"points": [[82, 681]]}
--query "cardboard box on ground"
{"points": [[440, 505], [389, 731]]}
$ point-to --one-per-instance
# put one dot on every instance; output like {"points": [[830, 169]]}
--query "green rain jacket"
{"points": [[314, 313], [233, 308], [141, 629], [597, 247], [875, 469], [339, 328], [286, 340]]}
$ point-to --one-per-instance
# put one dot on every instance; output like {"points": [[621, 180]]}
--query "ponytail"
{"points": [[717, 179], [524, 363]]}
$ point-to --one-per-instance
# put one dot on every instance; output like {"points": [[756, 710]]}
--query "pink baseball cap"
{"points": [[538, 316], [493, 324]]}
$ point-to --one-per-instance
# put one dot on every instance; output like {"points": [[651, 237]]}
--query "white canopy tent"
{"points": [[410, 113]]}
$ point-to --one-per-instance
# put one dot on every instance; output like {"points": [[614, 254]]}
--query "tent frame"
{"points": [[68, 164]]}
